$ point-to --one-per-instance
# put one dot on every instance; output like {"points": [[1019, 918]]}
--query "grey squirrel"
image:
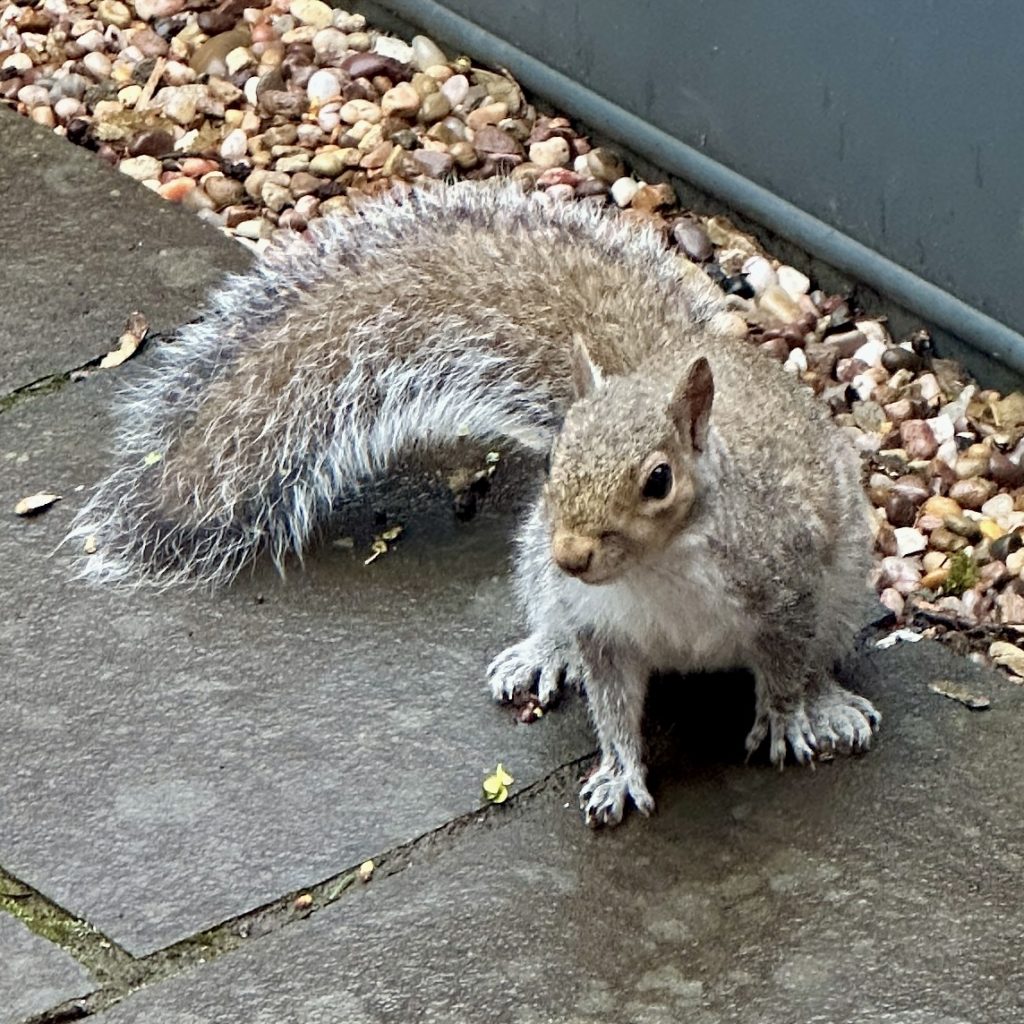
{"points": [[679, 528]]}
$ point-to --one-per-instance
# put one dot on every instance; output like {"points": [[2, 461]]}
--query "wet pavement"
{"points": [[175, 768]]}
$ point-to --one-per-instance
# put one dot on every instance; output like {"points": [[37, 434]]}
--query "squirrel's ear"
{"points": [[586, 374], [690, 407]]}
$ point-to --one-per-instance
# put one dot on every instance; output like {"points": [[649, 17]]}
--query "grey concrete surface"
{"points": [[81, 247], [170, 760], [880, 889], [34, 974]]}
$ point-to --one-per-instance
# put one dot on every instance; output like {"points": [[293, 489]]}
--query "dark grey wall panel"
{"points": [[899, 125]]}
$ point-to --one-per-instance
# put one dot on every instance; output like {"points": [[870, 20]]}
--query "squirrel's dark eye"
{"points": [[659, 483]]}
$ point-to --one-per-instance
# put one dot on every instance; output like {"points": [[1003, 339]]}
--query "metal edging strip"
{"points": [[980, 331]]}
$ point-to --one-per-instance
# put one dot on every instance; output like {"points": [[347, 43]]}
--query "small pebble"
{"points": [[552, 153], [426, 53], [623, 190]]}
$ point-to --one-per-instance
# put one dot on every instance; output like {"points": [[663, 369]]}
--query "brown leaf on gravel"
{"points": [[35, 503], [135, 331], [954, 691]]}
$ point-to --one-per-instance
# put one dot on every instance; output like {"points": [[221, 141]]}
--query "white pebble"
{"points": [[928, 386], [871, 352], [873, 331], [141, 168], [237, 59], [17, 61], [91, 40], [581, 167], [1015, 561], [235, 146], [455, 89], [388, 46], [623, 191], [553, 152], [97, 64], [330, 44], [942, 427], [909, 541], [250, 87], [796, 362], [999, 506], [948, 453], [323, 85], [426, 53], [760, 274], [311, 12], [67, 107], [793, 282], [33, 95]]}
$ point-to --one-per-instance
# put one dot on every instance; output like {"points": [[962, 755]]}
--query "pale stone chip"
{"points": [[954, 691], [35, 503], [1010, 656]]}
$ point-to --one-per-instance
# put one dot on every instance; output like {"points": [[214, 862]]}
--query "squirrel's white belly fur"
{"points": [[679, 611]]}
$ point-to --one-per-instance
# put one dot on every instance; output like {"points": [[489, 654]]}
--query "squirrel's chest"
{"points": [[683, 620]]}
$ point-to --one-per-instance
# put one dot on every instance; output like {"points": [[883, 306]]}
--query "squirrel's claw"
{"points": [[535, 668], [603, 796]]}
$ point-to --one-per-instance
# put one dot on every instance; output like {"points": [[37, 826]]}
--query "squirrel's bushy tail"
{"points": [[272, 407]]}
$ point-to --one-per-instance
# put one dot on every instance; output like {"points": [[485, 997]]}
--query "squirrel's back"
{"points": [[424, 317]]}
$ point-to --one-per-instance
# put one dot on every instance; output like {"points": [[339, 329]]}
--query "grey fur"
{"points": [[454, 310]]}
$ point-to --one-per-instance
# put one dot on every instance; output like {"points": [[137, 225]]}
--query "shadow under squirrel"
{"points": [[701, 510]]}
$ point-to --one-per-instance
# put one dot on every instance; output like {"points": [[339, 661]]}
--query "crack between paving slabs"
{"points": [[54, 382], [120, 974]]}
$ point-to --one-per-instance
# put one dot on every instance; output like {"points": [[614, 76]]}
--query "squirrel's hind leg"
{"points": [[802, 708], [538, 668]]}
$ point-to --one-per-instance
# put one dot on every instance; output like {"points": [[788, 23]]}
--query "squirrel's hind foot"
{"points": [[826, 720], [537, 668], [603, 796]]}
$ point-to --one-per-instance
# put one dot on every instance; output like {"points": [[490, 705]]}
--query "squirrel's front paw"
{"points": [[827, 720], [535, 668], [603, 796]]}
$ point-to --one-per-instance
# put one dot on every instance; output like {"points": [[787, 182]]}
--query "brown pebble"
{"points": [[304, 184], [962, 526], [368, 65], [1005, 471], [898, 358], [692, 239], [286, 104], [900, 510], [918, 439], [945, 540], [649, 198], [433, 163], [973, 493], [493, 141], [223, 191]]}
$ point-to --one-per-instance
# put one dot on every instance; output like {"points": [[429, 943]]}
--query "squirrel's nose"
{"points": [[572, 553]]}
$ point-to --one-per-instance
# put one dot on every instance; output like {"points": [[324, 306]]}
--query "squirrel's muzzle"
{"points": [[572, 553]]}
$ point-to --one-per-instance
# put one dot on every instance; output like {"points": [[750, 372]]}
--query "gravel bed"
{"points": [[261, 117]]}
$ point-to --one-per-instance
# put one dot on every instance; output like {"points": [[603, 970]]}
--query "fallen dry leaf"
{"points": [[35, 503], [496, 785], [946, 688], [128, 344]]}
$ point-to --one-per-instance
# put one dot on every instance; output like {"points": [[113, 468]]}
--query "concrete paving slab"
{"points": [[170, 760], [35, 974], [81, 247], [880, 890]]}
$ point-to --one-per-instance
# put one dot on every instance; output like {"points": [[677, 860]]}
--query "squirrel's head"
{"points": [[622, 483]]}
